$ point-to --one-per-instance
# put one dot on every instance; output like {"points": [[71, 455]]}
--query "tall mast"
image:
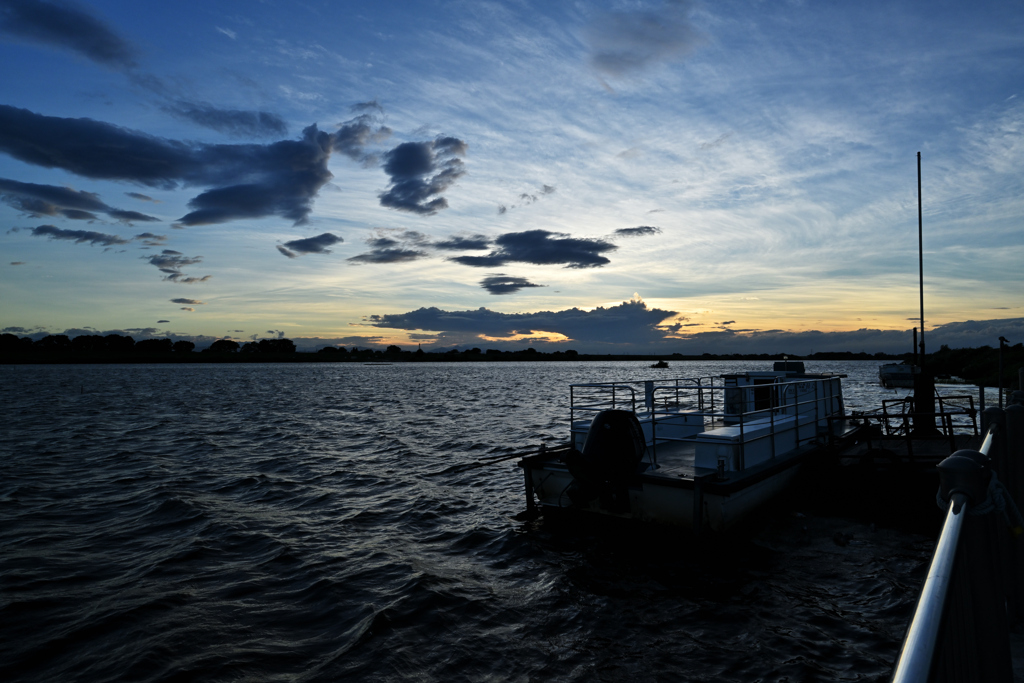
{"points": [[920, 251]]}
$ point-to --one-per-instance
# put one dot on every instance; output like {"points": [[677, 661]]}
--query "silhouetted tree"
{"points": [[9, 342], [182, 346], [224, 346], [394, 349], [117, 343], [53, 342], [275, 346], [154, 346], [89, 342]]}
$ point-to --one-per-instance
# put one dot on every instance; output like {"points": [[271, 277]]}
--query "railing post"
{"points": [[1009, 467], [959, 631], [974, 644]]}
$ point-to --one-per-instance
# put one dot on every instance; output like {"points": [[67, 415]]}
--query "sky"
{"points": [[610, 177]]}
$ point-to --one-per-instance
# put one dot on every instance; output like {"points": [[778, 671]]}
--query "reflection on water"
{"points": [[285, 522]]}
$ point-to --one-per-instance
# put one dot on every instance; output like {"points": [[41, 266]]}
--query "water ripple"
{"points": [[295, 522]]}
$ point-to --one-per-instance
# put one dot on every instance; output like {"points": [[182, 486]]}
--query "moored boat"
{"points": [[697, 453], [892, 375]]}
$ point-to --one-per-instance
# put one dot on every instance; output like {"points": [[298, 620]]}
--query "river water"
{"points": [[296, 523]]}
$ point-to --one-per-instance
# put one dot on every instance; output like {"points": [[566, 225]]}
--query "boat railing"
{"points": [[679, 410], [786, 412], [972, 592], [593, 397], [897, 418]]}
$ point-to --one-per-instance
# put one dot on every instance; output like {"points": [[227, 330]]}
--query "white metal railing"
{"points": [[914, 664], [810, 402]]}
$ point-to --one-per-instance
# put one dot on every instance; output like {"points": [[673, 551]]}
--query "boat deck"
{"points": [[675, 459]]}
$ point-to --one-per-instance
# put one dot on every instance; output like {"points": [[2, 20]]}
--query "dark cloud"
{"points": [[247, 180], [395, 255], [190, 302], [542, 248], [975, 333], [50, 200], [283, 181], [171, 262], [186, 280], [150, 239], [130, 216], [633, 327], [162, 321], [309, 245], [74, 214], [78, 236], [470, 243], [630, 322], [420, 172], [17, 263], [504, 284], [142, 197], [623, 42], [393, 246], [352, 137], [234, 122], [639, 231], [62, 25]]}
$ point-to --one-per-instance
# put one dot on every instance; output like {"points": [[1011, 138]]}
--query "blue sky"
{"points": [[616, 177]]}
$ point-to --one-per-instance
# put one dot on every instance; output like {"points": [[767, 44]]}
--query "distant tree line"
{"points": [[54, 344], [117, 348], [978, 365]]}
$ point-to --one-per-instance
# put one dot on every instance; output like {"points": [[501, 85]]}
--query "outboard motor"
{"points": [[609, 462]]}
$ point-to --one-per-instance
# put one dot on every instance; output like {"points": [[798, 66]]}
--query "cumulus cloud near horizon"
{"points": [[629, 321], [632, 327]]}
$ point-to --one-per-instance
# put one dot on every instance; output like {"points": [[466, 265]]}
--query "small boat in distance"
{"points": [[660, 364], [698, 453], [892, 375]]}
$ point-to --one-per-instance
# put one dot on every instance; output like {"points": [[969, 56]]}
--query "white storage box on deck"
{"points": [[754, 441], [670, 425]]}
